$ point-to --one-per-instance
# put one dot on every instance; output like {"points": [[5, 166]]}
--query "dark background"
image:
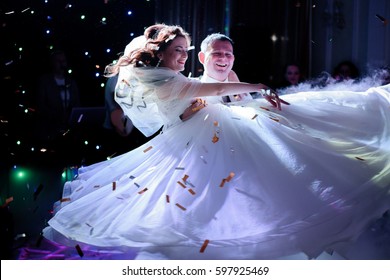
{"points": [[32, 29], [315, 34]]}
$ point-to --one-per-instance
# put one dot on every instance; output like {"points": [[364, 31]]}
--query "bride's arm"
{"points": [[223, 89], [170, 85]]}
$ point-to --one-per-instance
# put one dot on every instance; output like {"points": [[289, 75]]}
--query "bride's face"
{"points": [[176, 54]]}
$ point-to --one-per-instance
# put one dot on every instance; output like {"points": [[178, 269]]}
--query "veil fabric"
{"points": [[152, 97]]}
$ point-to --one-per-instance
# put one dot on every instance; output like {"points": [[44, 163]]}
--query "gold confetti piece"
{"points": [[181, 207], [274, 119], [227, 179], [254, 117], [359, 158], [137, 185], [79, 251], [97, 186], [148, 148], [167, 197], [185, 177], [264, 108], [113, 186], [215, 138], [88, 225], [181, 184], [231, 175], [124, 81], [203, 248], [191, 191], [65, 199], [144, 190], [215, 123], [79, 189], [7, 201]]}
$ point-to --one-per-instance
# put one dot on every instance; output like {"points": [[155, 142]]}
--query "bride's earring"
{"points": [[159, 62]]}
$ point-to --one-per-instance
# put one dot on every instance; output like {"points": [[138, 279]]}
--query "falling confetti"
{"points": [[203, 248], [148, 149], [181, 207], [79, 251], [144, 190], [113, 186]]}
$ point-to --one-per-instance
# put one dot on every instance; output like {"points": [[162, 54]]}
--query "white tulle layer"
{"points": [[247, 180]]}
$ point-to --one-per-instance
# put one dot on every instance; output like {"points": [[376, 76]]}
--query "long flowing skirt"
{"points": [[242, 181]]}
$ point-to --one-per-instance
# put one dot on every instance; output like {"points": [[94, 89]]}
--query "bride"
{"points": [[254, 179]]}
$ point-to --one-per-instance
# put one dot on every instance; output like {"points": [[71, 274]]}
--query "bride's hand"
{"points": [[272, 97], [195, 106]]}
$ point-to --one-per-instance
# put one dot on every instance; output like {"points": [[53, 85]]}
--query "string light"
{"points": [[77, 33]]}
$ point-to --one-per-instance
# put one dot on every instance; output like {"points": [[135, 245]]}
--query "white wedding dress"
{"points": [[240, 180]]}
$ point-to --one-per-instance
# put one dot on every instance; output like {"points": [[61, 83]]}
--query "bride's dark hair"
{"points": [[158, 38]]}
